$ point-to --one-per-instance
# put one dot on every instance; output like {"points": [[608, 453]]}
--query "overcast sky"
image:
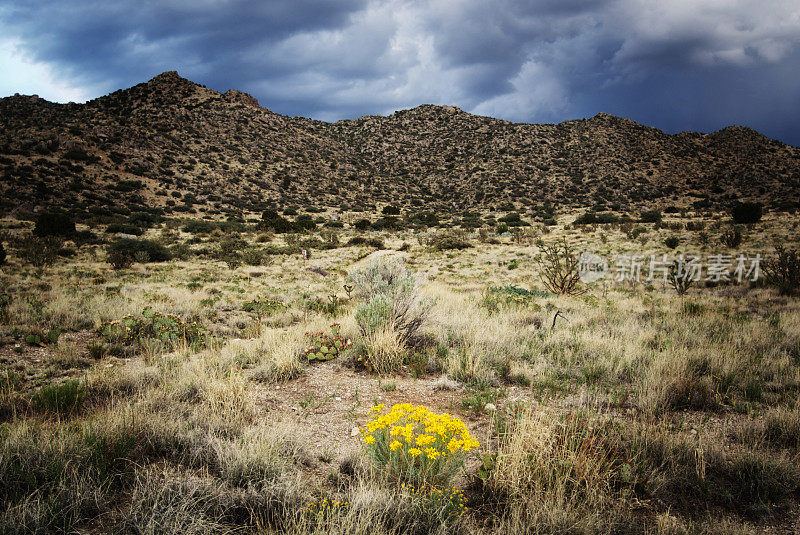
{"points": [[674, 64]]}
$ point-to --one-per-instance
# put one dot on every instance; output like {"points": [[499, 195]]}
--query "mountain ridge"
{"points": [[176, 145]]}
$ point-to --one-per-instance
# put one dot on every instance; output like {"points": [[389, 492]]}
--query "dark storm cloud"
{"points": [[120, 42], [675, 64]]}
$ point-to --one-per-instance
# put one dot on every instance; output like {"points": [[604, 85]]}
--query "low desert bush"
{"points": [[390, 297], [782, 270], [450, 240], [745, 213], [124, 252], [651, 216], [371, 242], [54, 224], [672, 241], [732, 238], [40, 252]]}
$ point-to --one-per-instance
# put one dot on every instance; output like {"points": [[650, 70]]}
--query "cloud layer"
{"points": [[676, 64]]}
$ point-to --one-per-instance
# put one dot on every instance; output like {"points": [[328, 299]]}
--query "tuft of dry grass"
{"points": [[562, 473], [384, 350]]}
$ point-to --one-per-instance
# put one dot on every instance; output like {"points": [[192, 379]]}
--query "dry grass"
{"points": [[626, 409]]}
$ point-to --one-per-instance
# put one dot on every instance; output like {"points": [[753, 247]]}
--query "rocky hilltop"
{"points": [[174, 145]]}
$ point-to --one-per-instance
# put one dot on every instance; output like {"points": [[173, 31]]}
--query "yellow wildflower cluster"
{"points": [[413, 443], [325, 505]]}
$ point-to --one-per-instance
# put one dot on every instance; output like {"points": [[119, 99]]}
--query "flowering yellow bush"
{"points": [[414, 444]]}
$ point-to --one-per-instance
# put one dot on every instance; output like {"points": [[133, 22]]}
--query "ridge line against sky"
{"points": [[677, 65]]}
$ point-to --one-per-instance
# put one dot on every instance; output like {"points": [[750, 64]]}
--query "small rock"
{"points": [[490, 407], [354, 432], [337, 398], [319, 271], [443, 383]]}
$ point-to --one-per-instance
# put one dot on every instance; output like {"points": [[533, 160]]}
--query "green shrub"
{"points": [[329, 307], [651, 216], [253, 256], [672, 241], [63, 399], [230, 251], [263, 307], [371, 242], [446, 241], [362, 224], [198, 226], [731, 238], [124, 228], [594, 218], [746, 213], [496, 296], [124, 252], [181, 251], [144, 219], [513, 219], [388, 222], [40, 252], [280, 225], [54, 224], [782, 270], [390, 297]]}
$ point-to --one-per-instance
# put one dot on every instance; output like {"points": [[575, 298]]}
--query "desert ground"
{"points": [[230, 389]]}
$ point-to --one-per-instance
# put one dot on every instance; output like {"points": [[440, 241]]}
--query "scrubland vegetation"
{"points": [[287, 375]]}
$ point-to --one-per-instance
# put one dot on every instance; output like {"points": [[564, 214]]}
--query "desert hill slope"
{"points": [[175, 145]]}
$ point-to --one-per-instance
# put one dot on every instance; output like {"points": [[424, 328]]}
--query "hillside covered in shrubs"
{"points": [[178, 147]]}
